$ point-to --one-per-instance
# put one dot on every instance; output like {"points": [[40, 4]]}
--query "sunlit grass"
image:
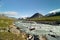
{"points": [[5, 22], [10, 36]]}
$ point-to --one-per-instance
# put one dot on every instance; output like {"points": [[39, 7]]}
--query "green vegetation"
{"points": [[52, 18], [9, 36], [5, 22]]}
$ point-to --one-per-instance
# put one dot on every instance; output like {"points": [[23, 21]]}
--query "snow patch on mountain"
{"points": [[54, 11]]}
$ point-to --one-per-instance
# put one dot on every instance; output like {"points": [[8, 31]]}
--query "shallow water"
{"points": [[40, 29]]}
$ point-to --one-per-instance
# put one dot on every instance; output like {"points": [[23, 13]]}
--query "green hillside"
{"points": [[52, 18]]}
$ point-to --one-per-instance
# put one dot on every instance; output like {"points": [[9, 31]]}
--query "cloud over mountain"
{"points": [[54, 11]]}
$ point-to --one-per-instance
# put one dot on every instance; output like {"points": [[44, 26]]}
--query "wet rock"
{"points": [[30, 37], [36, 37]]}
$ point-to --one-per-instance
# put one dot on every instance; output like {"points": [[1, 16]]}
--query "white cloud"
{"points": [[53, 11], [14, 14], [24, 16], [10, 13]]}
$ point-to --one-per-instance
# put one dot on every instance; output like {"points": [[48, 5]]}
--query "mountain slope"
{"points": [[54, 13], [36, 15]]}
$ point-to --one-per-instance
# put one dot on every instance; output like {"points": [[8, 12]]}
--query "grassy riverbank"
{"points": [[5, 23], [10, 36]]}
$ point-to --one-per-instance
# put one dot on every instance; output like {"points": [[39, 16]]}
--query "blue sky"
{"points": [[22, 8]]}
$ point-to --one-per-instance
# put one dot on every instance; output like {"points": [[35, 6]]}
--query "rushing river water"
{"points": [[39, 29]]}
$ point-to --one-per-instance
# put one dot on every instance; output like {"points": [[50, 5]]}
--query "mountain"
{"points": [[37, 15], [54, 13]]}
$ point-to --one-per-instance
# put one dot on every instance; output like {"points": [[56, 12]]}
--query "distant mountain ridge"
{"points": [[36, 15], [54, 13]]}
